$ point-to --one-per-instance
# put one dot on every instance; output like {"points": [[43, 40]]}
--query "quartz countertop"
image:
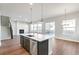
{"points": [[39, 37]]}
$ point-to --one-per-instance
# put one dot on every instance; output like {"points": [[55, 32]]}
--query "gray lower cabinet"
{"points": [[42, 48], [25, 42], [39, 48], [22, 41], [34, 47]]}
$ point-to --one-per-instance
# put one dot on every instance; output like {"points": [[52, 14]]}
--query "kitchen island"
{"points": [[37, 44]]}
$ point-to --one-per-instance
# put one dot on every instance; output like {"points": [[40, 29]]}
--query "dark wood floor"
{"points": [[12, 47]]}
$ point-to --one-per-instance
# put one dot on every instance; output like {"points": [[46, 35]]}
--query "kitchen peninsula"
{"points": [[37, 44]]}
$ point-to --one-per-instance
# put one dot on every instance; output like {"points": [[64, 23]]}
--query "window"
{"points": [[36, 27], [31, 27], [50, 27], [39, 27], [69, 25], [47, 27]]}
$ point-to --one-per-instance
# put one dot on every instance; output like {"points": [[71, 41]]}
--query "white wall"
{"points": [[22, 25], [16, 25], [58, 22]]}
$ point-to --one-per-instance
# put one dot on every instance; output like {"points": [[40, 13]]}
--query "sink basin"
{"points": [[30, 35]]}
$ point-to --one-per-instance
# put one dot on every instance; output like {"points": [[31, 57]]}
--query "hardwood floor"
{"points": [[12, 47], [64, 47], [61, 47]]}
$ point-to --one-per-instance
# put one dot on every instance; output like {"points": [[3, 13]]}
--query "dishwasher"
{"points": [[33, 47]]}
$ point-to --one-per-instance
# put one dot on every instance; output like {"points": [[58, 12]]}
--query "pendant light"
{"points": [[65, 14], [41, 13], [31, 16], [42, 18]]}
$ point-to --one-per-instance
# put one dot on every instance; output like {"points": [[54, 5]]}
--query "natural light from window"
{"points": [[50, 27], [69, 25]]}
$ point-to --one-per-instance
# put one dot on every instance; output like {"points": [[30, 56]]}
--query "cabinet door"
{"points": [[43, 47], [27, 44], [22, 41]]}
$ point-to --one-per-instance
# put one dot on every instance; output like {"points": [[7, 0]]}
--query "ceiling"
{"points": [[22, 11]]}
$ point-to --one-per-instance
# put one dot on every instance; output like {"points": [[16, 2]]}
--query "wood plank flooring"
{"points": [[64, 47], [12, 47], [61, 47]]}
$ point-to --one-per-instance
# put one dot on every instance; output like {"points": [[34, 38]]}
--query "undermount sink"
{"points": [[30, 35]]}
